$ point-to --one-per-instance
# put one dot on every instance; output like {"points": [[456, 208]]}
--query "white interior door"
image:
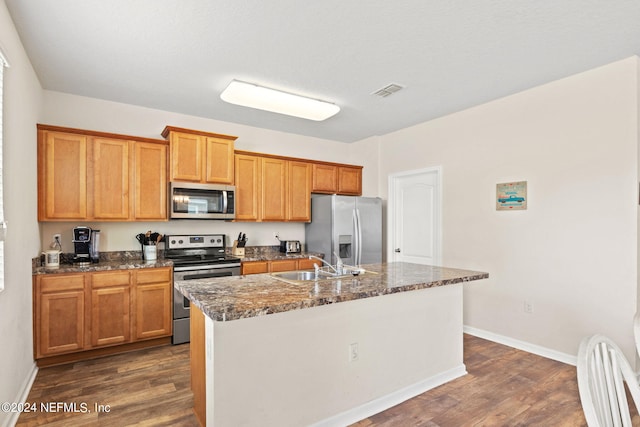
{"points": [[415, 207]]}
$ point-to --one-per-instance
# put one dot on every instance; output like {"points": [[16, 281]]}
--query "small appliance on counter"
{"points": [[290, 246], [85, 245]]}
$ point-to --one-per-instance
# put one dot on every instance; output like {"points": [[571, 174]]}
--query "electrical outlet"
{"points": [[353, 352], [57, 236], [528, 307], [276, 235]]}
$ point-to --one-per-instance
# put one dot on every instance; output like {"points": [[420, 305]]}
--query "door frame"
{"points": [[391, 220]]}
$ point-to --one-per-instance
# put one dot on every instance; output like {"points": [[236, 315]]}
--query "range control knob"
{"points": [[173, 242], [180, 241]]}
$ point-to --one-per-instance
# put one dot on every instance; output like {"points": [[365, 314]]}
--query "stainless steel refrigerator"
{"points": [[349, 226]]}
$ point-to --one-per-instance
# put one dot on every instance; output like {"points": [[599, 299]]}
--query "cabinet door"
{"points": [[350, 180], [111, 197], [62, 189], [219, 164], [248, 187], [299, 197], [153, 296], [325, 179], [186, 156], [110, 305], [274, 189], [59, 314], [150, 181]]}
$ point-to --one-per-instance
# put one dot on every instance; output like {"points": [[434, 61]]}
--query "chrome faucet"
{"points": [[317, 269], [339, 265]]}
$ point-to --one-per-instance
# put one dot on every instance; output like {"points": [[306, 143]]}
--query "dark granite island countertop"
{"points": [[241, 297], [331, 353]]}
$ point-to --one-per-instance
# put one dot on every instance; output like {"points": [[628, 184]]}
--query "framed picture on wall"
{"points": [[511, 196]]}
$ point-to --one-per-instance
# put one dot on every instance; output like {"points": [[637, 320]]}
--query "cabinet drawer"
{"points": [[307, 264], [284, 265], [61, 282], [255, 267], [110, 278], [154, 275]]}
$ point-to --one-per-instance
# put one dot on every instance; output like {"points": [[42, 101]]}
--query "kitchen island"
{"points": [[328, 352]]}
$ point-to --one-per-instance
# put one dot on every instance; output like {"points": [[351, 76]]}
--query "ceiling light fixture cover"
{"points": [[262, 98]]}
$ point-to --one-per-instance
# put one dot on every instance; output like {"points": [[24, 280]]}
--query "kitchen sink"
{"points": [[310, 275], [296, 275]]}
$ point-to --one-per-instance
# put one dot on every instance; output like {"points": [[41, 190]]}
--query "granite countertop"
{"points": [[272, 253], [108, 261], [239, 297]]}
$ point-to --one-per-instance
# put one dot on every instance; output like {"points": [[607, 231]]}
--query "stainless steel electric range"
{"points": [[196, 256]]}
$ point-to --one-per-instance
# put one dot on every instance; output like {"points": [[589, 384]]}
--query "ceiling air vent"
{"points": [[389, 89]]}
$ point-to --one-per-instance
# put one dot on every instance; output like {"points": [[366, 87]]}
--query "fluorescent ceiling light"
{"points": [[262, 98]]}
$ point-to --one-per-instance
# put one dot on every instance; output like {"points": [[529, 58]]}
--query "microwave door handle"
{"points": [[224, 201]]}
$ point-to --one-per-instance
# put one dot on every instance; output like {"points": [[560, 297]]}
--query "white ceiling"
{"points": [[178, 55]]}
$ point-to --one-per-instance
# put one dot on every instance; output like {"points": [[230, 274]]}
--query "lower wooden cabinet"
{"points": [[257, 267], [59, 314], [153, 292], [110, 307], [79, 312]]}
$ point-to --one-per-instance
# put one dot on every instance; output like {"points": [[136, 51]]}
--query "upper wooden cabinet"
{"points": [[270, 188], [248, 181], [87, 175], [150, 201], [350, 180], [299, 191], [274, 181], [337, 179], [110, 172], [198, 156], [325, 178], [62, 176]]}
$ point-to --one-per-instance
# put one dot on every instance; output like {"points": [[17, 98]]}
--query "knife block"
{"points": [[236, 251]]}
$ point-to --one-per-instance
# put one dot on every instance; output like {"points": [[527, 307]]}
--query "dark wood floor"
{"points": [[504, 387]]}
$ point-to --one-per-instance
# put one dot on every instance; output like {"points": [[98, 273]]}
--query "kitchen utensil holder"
{"points": [[150, 252], [237, 251]]}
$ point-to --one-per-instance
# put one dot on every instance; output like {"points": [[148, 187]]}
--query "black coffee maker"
{"points": [[82, 245]]}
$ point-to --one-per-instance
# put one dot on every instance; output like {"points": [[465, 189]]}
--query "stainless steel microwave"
{"points": [[201, 201]]}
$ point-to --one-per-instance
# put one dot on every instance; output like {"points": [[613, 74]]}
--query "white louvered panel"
{"points": [[3, 226]]}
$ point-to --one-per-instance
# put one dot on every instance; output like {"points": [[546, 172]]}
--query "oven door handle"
{"points": [[200, 267], [204, 276]]}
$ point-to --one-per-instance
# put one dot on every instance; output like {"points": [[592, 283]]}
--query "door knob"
{"points": [[398, 250]]}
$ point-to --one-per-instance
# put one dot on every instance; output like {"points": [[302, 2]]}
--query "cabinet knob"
{"points": [[397, 250]]}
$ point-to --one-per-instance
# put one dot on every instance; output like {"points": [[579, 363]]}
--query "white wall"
{"points": [[22, 104], [302, 356], [573, 252], [93, 114]]}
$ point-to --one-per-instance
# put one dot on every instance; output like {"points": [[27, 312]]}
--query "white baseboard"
{"points": [[523, 345], [24, 393], [385, 402]]}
